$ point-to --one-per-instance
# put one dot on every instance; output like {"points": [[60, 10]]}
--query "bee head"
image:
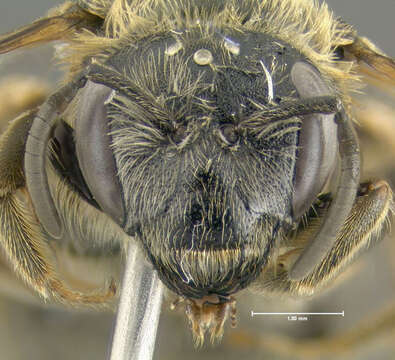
{"points": [[207, 189], [203, 139]]}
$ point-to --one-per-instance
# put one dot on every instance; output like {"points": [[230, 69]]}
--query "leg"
{"points": [[20, 232], [370, 210]]}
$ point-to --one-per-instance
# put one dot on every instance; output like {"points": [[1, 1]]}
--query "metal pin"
{"points": [[138, 311]]}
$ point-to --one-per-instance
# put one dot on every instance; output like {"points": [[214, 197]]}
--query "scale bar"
{"points": [[297, 313]]}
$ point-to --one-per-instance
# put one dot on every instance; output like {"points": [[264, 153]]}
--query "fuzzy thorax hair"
{"points": [[306, 25]]}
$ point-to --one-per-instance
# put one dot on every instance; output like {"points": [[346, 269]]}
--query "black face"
{"points": [[206, 190], [205, 128]]}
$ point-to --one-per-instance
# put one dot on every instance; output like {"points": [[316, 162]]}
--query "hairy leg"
{"points": [[20, 233], [369, 213]]}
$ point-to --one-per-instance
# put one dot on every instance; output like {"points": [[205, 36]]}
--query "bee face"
{"points": [[206, 161], [204, 215]]}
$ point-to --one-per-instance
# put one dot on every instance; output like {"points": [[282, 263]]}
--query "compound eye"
{"points": [[318, 146], [94, 152]]}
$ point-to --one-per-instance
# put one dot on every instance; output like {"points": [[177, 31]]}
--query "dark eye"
{"points": [[94, 152], [228, 134], [317, 141]]}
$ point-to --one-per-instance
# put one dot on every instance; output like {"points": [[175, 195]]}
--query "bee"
{"points": [[216, 135]]}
